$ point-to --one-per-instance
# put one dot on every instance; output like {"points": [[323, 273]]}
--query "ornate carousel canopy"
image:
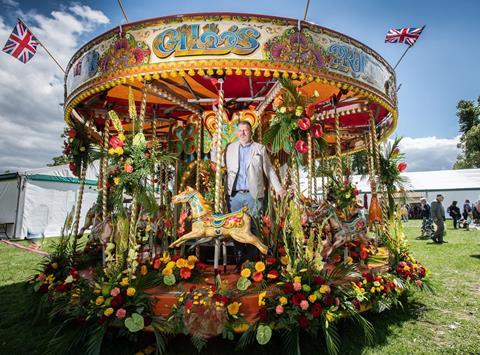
{"points": [[180, 58]]}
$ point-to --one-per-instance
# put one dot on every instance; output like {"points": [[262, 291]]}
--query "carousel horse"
{"points": [[206, 224], [341, 232]]}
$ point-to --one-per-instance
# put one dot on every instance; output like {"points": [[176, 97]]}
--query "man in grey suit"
{"points": [[247, 162], [438, 216]]}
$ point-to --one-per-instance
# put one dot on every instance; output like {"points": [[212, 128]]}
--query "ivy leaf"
{"points": [[264, 333], [134, 323], [243, 283]]}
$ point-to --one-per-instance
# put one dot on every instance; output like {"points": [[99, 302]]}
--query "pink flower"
{"points": [[317, 130], [115, 292], [304, 123], [116, 142], [304, 305], [279, 309], [297, 286], [121, 312], [301, 146]]}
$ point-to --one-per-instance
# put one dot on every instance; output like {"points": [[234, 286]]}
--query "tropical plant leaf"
{"points": [[247, 338], [264, 334], [291, 341], [198, 343]]}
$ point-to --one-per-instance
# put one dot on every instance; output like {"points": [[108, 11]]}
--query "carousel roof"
{"points": [[179, 59]]}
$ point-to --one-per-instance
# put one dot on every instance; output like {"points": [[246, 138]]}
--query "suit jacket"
{"points": [[437, 211], [258, 165]]}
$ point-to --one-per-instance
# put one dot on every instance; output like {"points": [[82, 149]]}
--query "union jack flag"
{"points": [[404, 35], [21, 44]]}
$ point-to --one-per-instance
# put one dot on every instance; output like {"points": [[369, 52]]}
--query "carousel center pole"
{"points": [[78, 208], [218, 171]]}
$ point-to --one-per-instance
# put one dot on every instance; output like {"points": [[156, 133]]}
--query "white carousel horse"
{"points": [[206, 224]]}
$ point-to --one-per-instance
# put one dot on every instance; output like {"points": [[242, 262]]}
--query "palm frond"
{"points": [[291, 341], [247, 338]]}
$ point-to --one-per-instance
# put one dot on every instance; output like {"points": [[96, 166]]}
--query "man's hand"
{"points": [[281, 193]]}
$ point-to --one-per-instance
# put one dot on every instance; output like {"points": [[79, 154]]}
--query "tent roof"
{"points": [[59, 173], [440, 180]]}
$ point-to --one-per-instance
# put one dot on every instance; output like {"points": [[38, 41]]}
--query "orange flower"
{"points": [[278, 101], [128, 168], [185, 273], [310, 110]]}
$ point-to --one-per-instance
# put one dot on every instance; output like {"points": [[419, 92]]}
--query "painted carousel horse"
{"points": [[340, 232], [236, 224]]}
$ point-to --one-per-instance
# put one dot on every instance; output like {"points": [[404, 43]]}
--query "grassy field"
{"points": [[447, 322]]}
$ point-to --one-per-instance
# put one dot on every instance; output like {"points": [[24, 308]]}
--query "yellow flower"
{"points": [[116, 180], [261, 296], [233, 308], [297, 279], [167, 271], [260, 266], [170, 265], [99, 300], [312, 298], [241, 327], [192, 259], [119, 150], [324, 289], [316, 93], [121, 136], [284, 260], [131, 291], [372, 290], [376, 283], [181, 263], [329, 316], [143, 270], [165, 258], [349, 260], [111, 151], [190, 265], [108, 312], [124, 282], [283, 109], [246, 273], [283, 300]]}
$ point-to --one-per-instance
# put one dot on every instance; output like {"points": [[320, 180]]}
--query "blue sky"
{"points": [[437, 72]]}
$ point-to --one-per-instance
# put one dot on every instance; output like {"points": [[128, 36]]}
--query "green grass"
{"points": [[447, 322]]}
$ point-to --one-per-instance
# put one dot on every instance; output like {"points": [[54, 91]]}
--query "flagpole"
{"points": [[123, 11], [403, 55], [40, 43]]}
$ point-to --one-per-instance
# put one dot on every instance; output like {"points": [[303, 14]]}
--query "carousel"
{"points": [[158, 101]]}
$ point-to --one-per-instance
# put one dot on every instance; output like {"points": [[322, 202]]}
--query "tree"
{"points": [[468, 114], [359, 163], [59, 160]]}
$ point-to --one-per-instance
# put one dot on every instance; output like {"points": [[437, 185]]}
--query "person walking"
{"points": [[427, 224], [438, 216], [454, 212], [247, 162], [404, 213]]}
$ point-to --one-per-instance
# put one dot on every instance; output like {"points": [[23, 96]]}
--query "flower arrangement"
{"points": [[175, 269], [294, 118], [411, 271], [259, 271], [77, 148]]}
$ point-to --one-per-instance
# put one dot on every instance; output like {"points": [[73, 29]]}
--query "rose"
{"points": [[115, 292], [317, 130], [304, 305], [297, 286], [121, 313], [279, 309], [72, 133], [304, 123], [402, 166], [301, 146]]}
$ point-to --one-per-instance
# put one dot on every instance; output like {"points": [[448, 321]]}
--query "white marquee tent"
{"points": [[454, 185], [35, 203]]}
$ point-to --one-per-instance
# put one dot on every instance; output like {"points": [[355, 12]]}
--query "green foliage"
{"points": [[59, 160], [468, 114]]}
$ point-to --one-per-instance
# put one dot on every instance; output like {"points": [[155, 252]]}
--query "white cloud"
{"points": [[11, 3], [430, 153], [31, 118]]}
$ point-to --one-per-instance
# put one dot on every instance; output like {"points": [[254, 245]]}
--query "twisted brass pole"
{"points": [[338, 147], [199, 152], [310, 165], [106, 137], [78, 208]]}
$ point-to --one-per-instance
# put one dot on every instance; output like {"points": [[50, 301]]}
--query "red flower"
{"points": [[318, 280], [156, 263], [117, 301], [257, 276], [175, 258], [185, 273], [329, 300], [200, 266], [288, 288], [270, 261], [72, 133], [317, 130], [316, 310], [282, 251], [116, 142], [310, 110], [304, 123], [297, 298], [72, 166], [188, 304], [303, 322], [273, 275], [263, 314], [301, 146], [402, 166]]}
